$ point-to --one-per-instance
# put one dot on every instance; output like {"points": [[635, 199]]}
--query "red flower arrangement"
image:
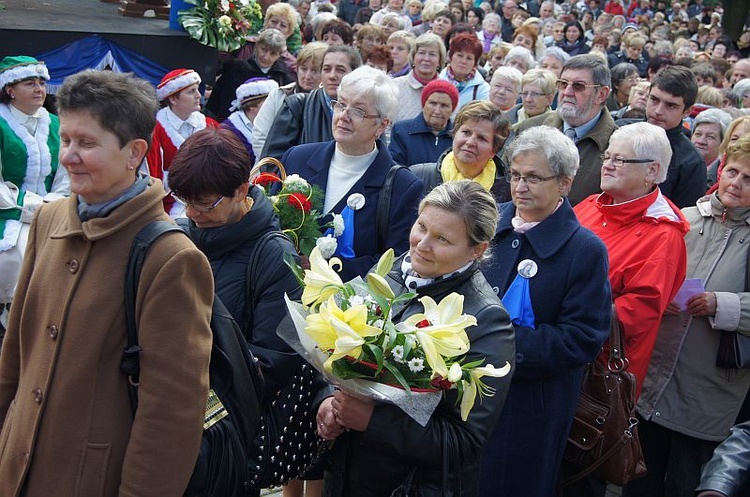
{"points": [[299, 202]]}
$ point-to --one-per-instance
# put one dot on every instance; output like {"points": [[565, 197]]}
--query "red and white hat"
{"points": [[175, 81]]}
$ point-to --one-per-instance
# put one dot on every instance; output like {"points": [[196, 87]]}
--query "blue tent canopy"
{"points": [[95, 52]]}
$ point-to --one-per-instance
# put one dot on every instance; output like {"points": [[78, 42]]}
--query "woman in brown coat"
{"points": [[67, 424]]}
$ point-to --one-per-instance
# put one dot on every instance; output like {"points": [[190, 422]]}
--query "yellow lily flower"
{"points": [[321, 280], [342, 331], [441, 330], [475, 386]]}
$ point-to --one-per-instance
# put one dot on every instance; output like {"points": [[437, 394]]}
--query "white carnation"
{"points": [[356, 300], [295, 180], [338, 225], [327, 246]]}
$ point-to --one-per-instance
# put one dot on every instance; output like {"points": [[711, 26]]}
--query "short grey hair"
{"points": [[374, 85], [509, 73], [600, 74], [557, 53], [492, 17], [472, 203], [559, 150], [742, 87], [392, 16], [430, 40], [520, 53], [714, 116], [648, 142], [273, 39]]}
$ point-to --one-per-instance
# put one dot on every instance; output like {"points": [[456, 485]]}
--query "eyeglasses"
{"points": [[354, 113], [532, 94], [578, 87], [202, 208], [531, 179], [619, 161]]}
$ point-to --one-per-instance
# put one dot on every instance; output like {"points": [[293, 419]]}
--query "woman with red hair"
{"points": [[465, 51]]}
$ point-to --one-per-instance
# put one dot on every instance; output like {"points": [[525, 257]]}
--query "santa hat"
{"points": [[252, 89], [175, 81], [20, 67]]}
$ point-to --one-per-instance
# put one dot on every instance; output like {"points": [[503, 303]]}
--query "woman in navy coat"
{"points": [[551, 274], [352, 171]]}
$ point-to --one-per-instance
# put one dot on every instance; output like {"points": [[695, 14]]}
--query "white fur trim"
{"points": [[252, 89], [172, 133], [176, 84], [25, 71], [39, 162]]}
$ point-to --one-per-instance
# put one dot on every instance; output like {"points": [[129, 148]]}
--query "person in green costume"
{"points": [[29, 172]]}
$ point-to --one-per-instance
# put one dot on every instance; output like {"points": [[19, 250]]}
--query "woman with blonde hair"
{"points": [[736, 129]]}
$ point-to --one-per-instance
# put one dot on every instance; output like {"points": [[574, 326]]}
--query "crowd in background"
{"points": [[551, 161]]}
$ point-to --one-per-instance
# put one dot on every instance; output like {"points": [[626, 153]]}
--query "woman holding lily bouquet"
{"points": [[380, 450]]}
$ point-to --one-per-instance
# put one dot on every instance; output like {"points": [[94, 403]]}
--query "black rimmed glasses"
{"points": [[202, 208], [620, 161], [578, 87], [354, 113], [513, 177]]}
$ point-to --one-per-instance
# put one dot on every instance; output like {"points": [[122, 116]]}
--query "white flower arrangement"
{"points": [[327, 246]]}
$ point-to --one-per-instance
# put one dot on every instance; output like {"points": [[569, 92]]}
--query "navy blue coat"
{"points": [[571, 299], [413, 142], [311, 161]]}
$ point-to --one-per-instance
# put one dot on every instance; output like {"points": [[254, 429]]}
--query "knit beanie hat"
{"points": [[441, 86], [175, 81], [19, 67], [252, 89]]}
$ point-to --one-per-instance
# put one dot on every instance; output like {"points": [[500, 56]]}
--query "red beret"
{"points": [[440, 86]]}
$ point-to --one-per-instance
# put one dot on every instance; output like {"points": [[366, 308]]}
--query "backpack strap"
{"points": [[253, 270], [384, 207], [130, 363]]}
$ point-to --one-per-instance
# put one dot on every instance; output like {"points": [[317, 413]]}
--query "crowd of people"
{"points": [[549, 161]]}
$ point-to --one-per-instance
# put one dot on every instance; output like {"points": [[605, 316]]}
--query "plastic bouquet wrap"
{"points": [[345, 330], [222, 24], [298, 205]]}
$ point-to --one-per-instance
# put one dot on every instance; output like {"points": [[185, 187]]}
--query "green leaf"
{"points": [[377, 353], [298, 272], [397, 374]]}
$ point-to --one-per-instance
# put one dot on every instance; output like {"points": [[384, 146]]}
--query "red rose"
{"points": [[441, 383], [299, 201], [266, 179], [423, 324]]}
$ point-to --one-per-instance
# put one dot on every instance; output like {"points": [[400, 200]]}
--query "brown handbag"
{"points": [[604, 437]]}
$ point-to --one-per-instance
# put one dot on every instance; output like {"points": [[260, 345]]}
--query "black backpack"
{"points": [[236, 386]]}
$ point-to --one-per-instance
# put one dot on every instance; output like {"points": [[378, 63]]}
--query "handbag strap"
{"points": [[617, 360]]}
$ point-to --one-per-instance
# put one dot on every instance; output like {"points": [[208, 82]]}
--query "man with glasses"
{"points": [[509, 7], [672, 95], [583, 87], [306, 117]]}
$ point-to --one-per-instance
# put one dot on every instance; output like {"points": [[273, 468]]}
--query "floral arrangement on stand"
{"points": [[298, 205], [222, 24], [346, 331]]}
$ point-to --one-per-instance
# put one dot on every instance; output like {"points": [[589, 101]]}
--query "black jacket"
{"points": [[303, 118], [616, 58], [686, 178], [234, 73], [429, 173], [374, 462], [728, 471], [229, 249]]}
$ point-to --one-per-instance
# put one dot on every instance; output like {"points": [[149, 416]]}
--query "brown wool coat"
{"points": [[67, 426]]}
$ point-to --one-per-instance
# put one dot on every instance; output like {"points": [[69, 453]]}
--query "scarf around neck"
{"points": [[449, 171]]}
